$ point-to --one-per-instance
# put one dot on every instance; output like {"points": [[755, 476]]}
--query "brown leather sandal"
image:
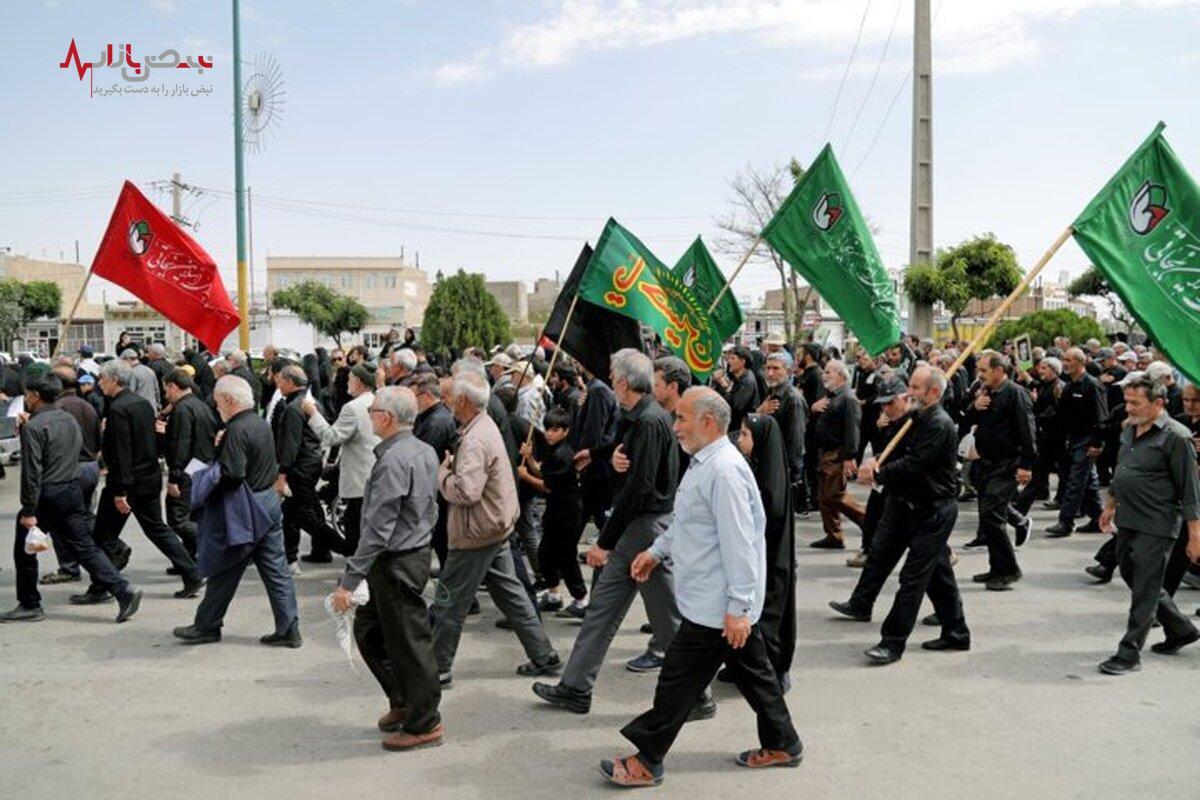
{"points": [[629, 772], [762, 757]]}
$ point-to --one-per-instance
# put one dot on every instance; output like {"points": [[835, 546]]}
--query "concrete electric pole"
{"points": [[176, 199], [920, 234]]}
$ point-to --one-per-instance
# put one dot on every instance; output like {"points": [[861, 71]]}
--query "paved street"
{"points": [[91, 709]]}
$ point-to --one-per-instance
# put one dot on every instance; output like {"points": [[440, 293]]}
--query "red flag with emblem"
{"points": [[144, 251]]}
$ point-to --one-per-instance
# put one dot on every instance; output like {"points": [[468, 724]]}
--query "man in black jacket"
{"points": [[1082, 410], [595, 431], [739, 387], [190, 432], [920, 509], [836, 439], [786, 404], [642, 503], [52, 500], [811, 382], [133, 483], [1003, 418], [436, 427], [298, 452]]}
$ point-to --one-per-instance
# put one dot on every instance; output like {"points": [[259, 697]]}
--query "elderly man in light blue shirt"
{"points": [[717, 551]]}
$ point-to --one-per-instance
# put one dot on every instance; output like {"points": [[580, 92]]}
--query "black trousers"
{"points": [[1142, 559], [179, 515], [61, 513], [871, 519], [692, 661], [392, 631], [441, 539], [558, 551], [302, 511], [924, 531], [997, 487], [597, 498], [148, 512], [352, 523], [1177, 565]]}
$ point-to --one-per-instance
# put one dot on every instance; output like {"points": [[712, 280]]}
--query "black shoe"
{"points": [[982, 577], [176, 571], [317, 558], [23, 614], [705, 709], [1118, 666], [289, 638], [725, 675], [90, 598], [59, 576], [122, 559], [880, 655], [474, 610], [829, 543], [1101, 573], [1170, 647], [847, 610], [1058, 531], [129, 606], [1001, 583], [1052, 505], [1023, 527], [190, 634], [932, 621], [646, 628], [941, 644], [565, 697], [978, 541], [551, 666], [1093, 526], [190, 589]]}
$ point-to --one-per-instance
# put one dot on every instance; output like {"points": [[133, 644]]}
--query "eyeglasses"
{"points": [[377, 410]]}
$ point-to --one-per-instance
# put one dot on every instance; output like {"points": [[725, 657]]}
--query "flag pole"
{"points": [[62, 332], [986, 332], [553, 356], [728, 283]]}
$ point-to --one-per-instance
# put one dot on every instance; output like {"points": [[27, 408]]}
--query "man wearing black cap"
{"points": [[190, 431], [739, 387], [890, 404], [51, 499]]}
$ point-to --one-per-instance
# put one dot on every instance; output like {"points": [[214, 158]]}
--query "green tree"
{"points": [[977, 269], [331, 313], [462, 313], [1043, 326], [1093, 283], [22, 302]]}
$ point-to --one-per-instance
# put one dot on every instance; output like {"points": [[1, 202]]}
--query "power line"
{"points": [[845, 73], [875, 77]]}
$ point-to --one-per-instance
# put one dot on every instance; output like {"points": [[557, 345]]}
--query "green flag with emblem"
{"points": [[698, 272], [625, 277], [1142, 232], [821, 233]]}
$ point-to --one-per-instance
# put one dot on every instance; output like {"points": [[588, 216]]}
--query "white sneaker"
{"points": [[294, 568]]}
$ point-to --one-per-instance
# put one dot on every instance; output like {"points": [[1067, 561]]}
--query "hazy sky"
{"points": [[438, 126]]}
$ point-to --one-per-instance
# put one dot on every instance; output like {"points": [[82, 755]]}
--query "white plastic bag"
{"points": [[343, 622], [37, 541]]}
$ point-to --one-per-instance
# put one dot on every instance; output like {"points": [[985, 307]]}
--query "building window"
{"points": [[410, 289], [389, 282], [345, 281], [372, 281]]}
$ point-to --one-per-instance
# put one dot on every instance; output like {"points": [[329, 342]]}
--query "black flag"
{"points": [[595, 333]]}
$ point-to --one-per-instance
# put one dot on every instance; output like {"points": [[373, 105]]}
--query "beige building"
{"points": [[513, 299], [40, 337], [773, 300], [395, 293], [541, 299]]}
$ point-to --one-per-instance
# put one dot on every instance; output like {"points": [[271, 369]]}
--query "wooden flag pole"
{"points": [[62, 333], [738, 269], [553, 356], [987, 330]]}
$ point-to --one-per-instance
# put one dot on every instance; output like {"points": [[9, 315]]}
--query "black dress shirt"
{"points": [[1005, 429], [927, 471], [1082, 409], [648, 486], [838, 426], [191, 429], [130, 450], [247, 452]]}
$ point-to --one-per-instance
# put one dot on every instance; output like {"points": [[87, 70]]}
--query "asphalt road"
{"points": [[92, 709]]}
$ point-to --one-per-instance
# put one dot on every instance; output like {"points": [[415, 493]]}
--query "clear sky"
{"points": [[433, 126]]}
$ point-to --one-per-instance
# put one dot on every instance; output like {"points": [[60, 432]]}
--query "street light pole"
{"points": [[239, 185]]}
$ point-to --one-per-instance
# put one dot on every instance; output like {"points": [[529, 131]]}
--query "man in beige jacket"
{"points": [[477, 482]]}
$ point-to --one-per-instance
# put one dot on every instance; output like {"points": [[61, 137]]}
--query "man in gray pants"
{"points": [[476, 480], [643, 496]]}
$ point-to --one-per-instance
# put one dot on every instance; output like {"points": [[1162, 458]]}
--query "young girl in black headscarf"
{"points": [[761, 442]]}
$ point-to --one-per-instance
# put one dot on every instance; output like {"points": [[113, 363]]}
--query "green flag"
{"points": [[624, 276], [822, 234], [1143, 233], [698, 272]]}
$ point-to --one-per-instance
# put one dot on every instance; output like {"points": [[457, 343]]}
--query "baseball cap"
{"points": [[1128, 355], [87, 351], [499, 360], [1105, 352], [86, 377], [890, 389], [774, 338]]}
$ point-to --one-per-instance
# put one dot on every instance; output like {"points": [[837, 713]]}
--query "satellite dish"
{"points": [[263, 101]]}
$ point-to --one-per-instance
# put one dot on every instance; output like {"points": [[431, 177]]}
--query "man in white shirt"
{"points": [[717, 550]]}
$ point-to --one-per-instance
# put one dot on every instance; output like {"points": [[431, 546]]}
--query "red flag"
{"points": [[144, 251]]}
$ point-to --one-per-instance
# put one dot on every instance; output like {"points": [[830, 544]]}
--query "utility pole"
{"points": [[239, 179], [920, 232], [176, 199]]}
